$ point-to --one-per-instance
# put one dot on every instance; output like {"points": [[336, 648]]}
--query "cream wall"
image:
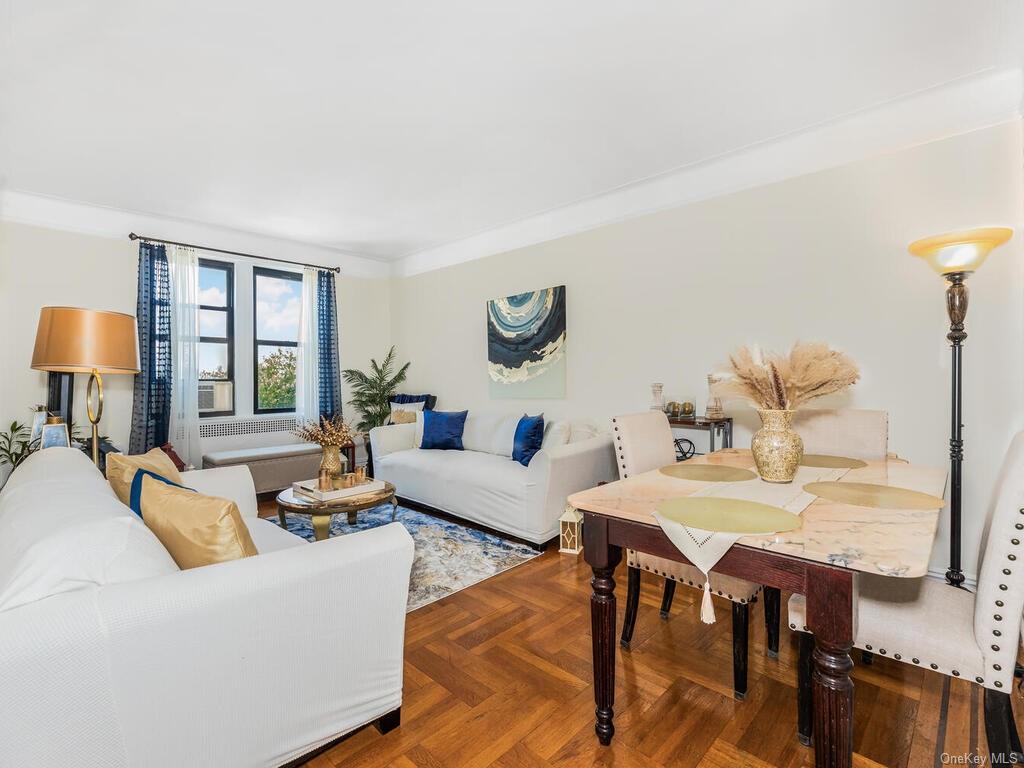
{"points": [[41, 266], [665, 296]]}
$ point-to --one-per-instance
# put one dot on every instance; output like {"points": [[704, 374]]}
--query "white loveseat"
{"points": [[130, 662], [483, 484]]}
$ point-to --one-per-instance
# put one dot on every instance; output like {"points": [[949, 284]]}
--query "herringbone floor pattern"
{"points": [[500, 675]]}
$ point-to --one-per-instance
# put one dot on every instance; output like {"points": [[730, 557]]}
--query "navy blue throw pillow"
{"points": [[442, 430], [529, 436], [135, 495]]}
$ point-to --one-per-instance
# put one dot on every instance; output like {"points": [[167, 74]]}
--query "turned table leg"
{"points": [[602, 558], [830, 617]]}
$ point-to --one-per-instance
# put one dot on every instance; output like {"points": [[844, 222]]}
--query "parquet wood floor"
{"points": [[499, 675]]}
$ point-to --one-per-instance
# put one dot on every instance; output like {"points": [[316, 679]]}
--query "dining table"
{"points": [[819, 559]]}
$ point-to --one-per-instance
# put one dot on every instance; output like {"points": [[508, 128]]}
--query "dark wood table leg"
{"points": [[602, 558], [830, 618]]}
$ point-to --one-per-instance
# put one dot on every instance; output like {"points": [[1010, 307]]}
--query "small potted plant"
{"points": [[331, 435], [777, 385]]}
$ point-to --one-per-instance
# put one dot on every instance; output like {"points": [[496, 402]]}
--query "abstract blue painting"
{"points": [[526, 344]]}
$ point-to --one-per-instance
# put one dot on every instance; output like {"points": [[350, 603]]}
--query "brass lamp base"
{"points": [[95, 416]]}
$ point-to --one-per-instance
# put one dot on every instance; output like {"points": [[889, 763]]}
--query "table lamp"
{"points": [[72, 340], [955, 255]]}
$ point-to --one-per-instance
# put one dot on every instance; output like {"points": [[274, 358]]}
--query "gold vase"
{"points": [[330, 459], [776, 447]]}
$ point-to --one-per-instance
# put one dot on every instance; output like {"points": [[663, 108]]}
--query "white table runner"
{"points": [[705, 548]]}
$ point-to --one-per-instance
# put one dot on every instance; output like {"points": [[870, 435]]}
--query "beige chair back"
{"points": [[856, 434], [643, 441], [1000, 596]]}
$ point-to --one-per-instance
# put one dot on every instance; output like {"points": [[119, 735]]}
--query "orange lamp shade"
{"points": [[962, 251], [72, 340]]}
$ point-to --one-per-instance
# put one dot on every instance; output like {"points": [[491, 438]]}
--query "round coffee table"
{"points": [[322, 511]]}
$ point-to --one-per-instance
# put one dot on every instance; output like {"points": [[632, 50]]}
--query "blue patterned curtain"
{"points": [[151, 410], [327, 341]]}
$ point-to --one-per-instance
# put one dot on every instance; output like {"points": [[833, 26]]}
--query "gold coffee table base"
{"points": [[321, 512]]}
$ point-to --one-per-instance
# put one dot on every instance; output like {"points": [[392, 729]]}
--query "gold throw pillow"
{"points": [[196, 529], [121, 470], [403, 416]]}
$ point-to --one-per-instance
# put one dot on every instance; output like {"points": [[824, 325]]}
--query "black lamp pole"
{"points": [[956, 307]]}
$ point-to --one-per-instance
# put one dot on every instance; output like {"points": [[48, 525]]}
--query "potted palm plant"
{"points": [[371, 395]]}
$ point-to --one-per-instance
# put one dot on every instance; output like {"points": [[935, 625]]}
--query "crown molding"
{"points": [[959, 106], [70, 216]]}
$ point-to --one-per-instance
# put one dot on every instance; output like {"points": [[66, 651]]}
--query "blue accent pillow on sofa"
{"points": [[529, 436], [442, 430]]}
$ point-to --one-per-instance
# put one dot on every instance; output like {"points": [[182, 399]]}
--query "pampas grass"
{"points": [[777, 382]]}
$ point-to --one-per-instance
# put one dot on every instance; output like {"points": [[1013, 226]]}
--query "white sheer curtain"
{"points": [[307, 388], [183, 265]]}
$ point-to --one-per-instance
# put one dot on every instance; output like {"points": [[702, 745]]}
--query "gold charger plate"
{"points": [[708, 473], [710, 513], [830, 462], [871, 495]]}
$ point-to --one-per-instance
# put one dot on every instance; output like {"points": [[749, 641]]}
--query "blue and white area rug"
{"points": [[449, 557]]}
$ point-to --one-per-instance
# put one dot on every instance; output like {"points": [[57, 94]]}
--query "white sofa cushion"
{"points": [[55, 464], [59, 535], [556, 433], [268, 536], [55, 537], [480, 431]]}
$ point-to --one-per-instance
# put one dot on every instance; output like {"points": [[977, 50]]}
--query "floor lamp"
{"points": [[955, 255], [72, 340]]}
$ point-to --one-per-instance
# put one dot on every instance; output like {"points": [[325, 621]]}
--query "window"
{"points": [[216, 338], [277, 307]]}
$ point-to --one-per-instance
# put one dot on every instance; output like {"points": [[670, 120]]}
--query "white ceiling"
{"points": [[386, 129]]}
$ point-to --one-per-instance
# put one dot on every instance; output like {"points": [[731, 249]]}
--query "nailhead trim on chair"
{"points": [[915, 660], [622, 456], [741, 600]]}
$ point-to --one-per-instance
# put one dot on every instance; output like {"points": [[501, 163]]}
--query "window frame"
{"points": [[229, 310], [257, 342]]}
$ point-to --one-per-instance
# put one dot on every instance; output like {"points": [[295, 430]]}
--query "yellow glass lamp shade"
{"points": [[72, 340], [962, 251]]}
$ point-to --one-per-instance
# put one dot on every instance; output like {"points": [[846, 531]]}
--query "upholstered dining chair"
{"points": [[930, 624], [848, 432], [643, 441]]}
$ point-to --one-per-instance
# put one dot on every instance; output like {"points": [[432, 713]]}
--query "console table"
{"points": [[722, 426]]}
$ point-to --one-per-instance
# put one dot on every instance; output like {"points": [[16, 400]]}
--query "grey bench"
{"points": [[273, 467]]}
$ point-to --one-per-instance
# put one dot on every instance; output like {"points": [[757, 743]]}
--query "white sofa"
{"points": [[110, 656], [483, 484]]}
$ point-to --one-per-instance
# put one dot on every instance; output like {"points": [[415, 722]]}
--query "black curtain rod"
{"points": [[133, 236]]}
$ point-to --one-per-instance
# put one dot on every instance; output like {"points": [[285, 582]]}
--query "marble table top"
{"points": [[892, 542]]}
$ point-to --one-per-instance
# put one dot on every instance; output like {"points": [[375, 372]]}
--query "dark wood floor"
{"points": [[499, 675]]}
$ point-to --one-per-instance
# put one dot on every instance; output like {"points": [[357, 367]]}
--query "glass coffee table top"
{"points": [[321, 511]]}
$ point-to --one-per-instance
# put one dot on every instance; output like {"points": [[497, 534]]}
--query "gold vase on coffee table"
{"points": [[330, 460]]}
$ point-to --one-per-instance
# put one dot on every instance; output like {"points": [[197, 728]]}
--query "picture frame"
{"points": [[54, 436]]}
